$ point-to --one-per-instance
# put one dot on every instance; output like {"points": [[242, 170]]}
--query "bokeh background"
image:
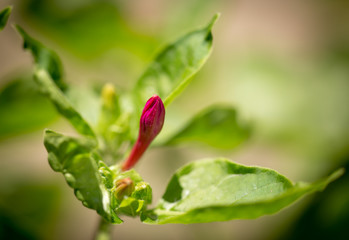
{"points": [[284, 65]]}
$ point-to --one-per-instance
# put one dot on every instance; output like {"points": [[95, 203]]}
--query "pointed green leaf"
{"points": [[63, 106], [75, 158], [217, 126], [4, 15], [48, 75], [44, 58], [220, 190], [172, 69]]}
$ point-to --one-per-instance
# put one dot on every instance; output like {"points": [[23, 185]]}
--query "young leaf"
{"points": [[44, 58], [217, 126], [173, 67], [220, 190], [4, 15], [63, 106], [48, 75], [75, 158]]}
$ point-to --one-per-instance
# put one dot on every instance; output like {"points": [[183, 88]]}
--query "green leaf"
{"points": [[172, 69], [220, 190], [217, 126], [44, 58], [48, 75], [89, 29], [4, 15], [28, 209], [63, 106], [86, 101], [78, 162], [18, 115]]}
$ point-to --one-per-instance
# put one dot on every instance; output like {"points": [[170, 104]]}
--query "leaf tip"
{"points": [[4, 15], [335, 175], [48, 131], [213, 20], [6, 11], [9, 10]]}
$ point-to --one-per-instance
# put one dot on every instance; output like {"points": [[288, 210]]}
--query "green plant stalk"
{"points": [[104, 231]]}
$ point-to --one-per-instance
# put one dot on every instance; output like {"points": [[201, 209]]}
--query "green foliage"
{"points": [[28, 210], [217, 126], [44, 58], [90, 28], [204, 191], [172, 69], [92, 180], [18, 115], [77, 161], [220, 190], [86, 101], [4, 15], [63, 106], [327, 216]]}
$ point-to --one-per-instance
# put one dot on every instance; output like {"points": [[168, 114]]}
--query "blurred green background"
{"points": [[283, 64]]}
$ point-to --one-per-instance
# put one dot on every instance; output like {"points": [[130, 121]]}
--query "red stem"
{"points": [[136, 153]]}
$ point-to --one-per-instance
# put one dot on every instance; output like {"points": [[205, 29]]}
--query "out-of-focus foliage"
{"points": [[217, 126], [44, 58], [87, 29], [4, 15], [28, 210], [22, 109], [328, 215]]}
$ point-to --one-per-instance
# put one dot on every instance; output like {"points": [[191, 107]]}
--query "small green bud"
{"points": [[123, 187]]}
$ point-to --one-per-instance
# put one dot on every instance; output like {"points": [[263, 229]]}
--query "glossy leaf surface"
{"points": [[173, 67], [78, 162], [220, 190]]}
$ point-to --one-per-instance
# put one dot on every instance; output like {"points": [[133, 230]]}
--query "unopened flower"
{"points": [[123, 187], [152, 120]]}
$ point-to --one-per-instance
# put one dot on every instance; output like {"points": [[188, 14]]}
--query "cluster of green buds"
{"points": [[128, 190]]}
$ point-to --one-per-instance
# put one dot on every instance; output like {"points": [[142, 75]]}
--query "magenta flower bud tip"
{"points": [[152, 120]]}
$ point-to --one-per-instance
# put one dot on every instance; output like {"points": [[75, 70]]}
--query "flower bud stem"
{"points": [[137, 151], [151, 123]]}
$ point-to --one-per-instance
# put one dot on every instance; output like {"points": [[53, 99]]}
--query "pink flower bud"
{"points": [[151, 123]]}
